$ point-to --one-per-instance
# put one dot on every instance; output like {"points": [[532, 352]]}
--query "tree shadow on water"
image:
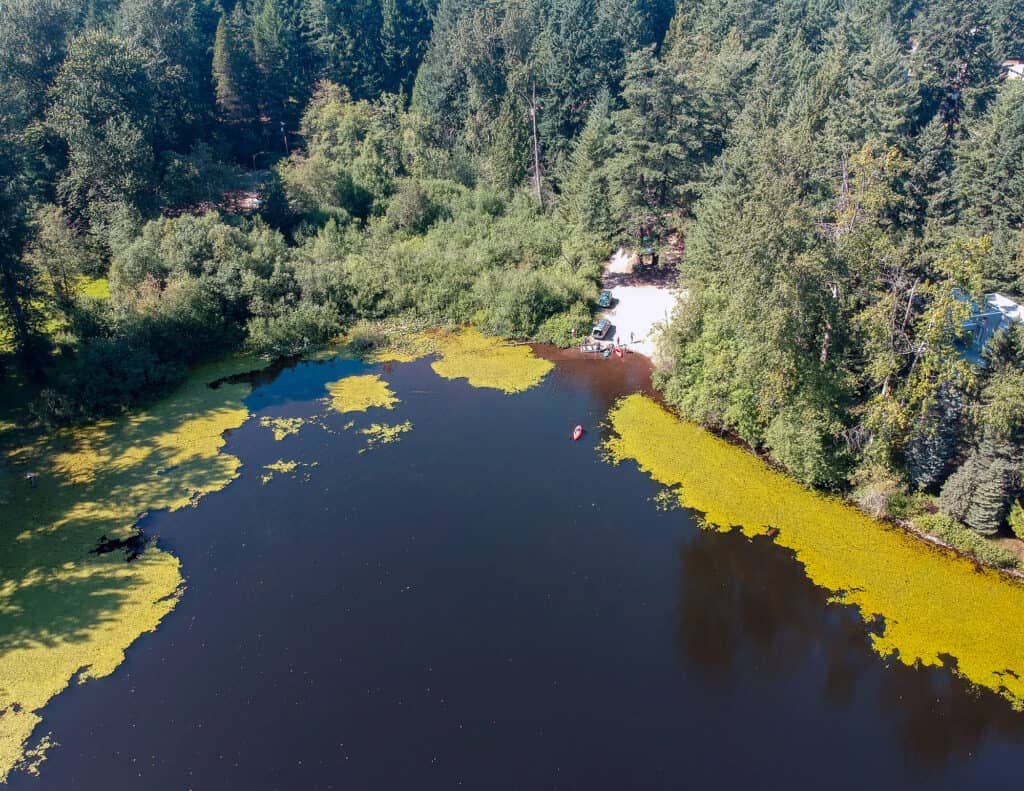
{"points": [[747, 607], [63, 607]]}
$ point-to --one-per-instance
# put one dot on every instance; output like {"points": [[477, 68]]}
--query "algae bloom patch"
{"points": [[360, 393], [66, 610], [283, 467], [934, 603], [383, 434], [283, 426], [488, 362]]}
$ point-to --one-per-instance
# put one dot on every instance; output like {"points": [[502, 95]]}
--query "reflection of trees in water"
{"points": [[744, 599], [939, 718], [746, 606]]}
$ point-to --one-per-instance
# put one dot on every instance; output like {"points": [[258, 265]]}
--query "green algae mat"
{"points": [[483, 361], [360, 393], [934, 603], [67, 613]]}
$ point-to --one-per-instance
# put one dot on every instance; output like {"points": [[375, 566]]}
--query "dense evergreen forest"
{"points": [[847, 177]]}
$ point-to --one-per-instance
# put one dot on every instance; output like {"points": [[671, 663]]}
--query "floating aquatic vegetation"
{"points": [[383, 434], [284, 467], [360, 393], [33, 757], [283, 426], [278, 466], [464, 354], [667, 500], [65, 611], [487, 362], [933, 602]]}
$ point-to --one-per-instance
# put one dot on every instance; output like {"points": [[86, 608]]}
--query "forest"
{"points": [[184, 178]]}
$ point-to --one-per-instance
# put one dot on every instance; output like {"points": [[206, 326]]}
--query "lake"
{"points": [[486, 604]]}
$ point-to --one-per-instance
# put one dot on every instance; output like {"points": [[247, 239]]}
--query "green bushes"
{"points": [[500, 264], [567, 328], [413, 209], [877, 489], [966, 540], [1016, 519], [801, 440], [294, 330]]}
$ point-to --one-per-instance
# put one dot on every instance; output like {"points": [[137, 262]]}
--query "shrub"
{"points": [[876, 489], [412, 209], [567, 328], [966, 540], [1017, 519], [109, 375], [801, 440], [293, 330]]}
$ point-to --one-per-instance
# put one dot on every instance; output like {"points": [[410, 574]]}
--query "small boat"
{"points": [[619, 352], [577, 433]]}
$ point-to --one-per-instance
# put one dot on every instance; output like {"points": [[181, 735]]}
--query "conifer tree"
{"points": [[225, 78], [660, 147], [234, 67], [930, 449], [929, 184], [510, 146], [404, 30], [587, 193], [981, 491], [883, 97], [278, 57], [989, 176]]}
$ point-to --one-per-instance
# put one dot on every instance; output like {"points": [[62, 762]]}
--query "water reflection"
{"points": [[746, 607]]}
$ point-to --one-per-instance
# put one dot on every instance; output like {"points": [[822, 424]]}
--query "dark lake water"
{"points": [[487, 605]]}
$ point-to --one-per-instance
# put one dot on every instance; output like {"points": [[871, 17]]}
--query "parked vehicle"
{"points": [[601, 329], [605, 300]]}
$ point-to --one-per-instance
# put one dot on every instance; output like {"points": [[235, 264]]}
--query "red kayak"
{"points": [[577, 433]]}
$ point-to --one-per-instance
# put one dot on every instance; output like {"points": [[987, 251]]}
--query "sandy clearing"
{"points": [[637, 314], [621, 263], [639, 309]]}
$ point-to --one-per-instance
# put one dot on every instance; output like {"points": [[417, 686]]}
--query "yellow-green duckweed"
{"points": [[64, 609], [933, 602], [283, 467], [278, 466], [360, 393], [383, 434], [283, 426], [486, 362]]}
